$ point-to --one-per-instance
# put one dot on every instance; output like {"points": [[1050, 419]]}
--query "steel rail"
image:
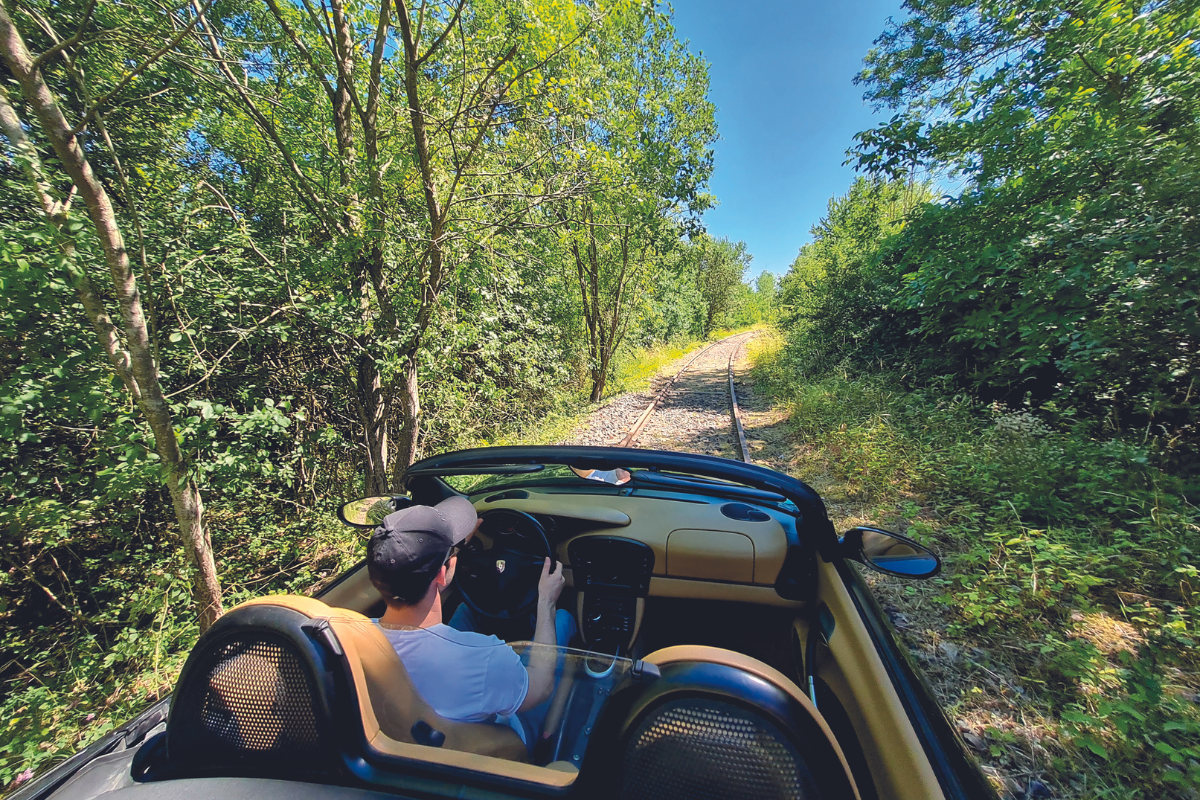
{"points": [[738, 429], [631, 437]]}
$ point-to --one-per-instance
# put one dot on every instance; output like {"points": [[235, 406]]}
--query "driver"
{"points": [[463, 675]]}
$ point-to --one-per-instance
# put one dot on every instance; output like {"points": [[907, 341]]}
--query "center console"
{"points": [[612, 578]]}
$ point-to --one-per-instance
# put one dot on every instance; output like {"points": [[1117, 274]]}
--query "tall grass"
{"points": [[638, 368], [1050, 538]]}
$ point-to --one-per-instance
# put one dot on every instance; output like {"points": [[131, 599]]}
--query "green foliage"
{"points": [[836, 298], [129, 630], [1072, 559], [720, 265], [764, 297], [674, 305], [1067, 270], [1143, 726]]}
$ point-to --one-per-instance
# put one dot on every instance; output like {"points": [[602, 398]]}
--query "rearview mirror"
{"points": [[368, 512], [617, 477], [890, 553]]}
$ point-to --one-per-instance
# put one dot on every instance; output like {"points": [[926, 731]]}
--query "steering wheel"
{"points": [[501, 582]]}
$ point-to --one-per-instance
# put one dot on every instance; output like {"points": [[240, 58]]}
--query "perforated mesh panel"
{"points": [[248, 697], [707, 749]]}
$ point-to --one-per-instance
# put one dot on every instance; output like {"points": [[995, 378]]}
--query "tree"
{"points": [[433, 141], [644, 131], [1065, 267], [720, 265], [836, 299], [129, 349], [766, 287]]}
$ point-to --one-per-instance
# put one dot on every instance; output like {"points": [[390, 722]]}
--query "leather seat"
{"points": [[282, 686]]}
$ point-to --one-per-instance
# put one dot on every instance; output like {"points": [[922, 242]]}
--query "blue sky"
{"points": [[787, 111]]}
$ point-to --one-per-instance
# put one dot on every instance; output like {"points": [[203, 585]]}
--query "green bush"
{"points": [[1045, 532]]}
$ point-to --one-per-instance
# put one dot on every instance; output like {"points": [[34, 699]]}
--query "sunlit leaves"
{"points": [[1067, 267]]}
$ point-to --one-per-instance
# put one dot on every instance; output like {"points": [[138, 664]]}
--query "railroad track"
{"points": [[739, 432]]}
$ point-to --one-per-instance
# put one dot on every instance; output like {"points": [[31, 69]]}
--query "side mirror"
{"points": [[890, 553], [368, 512]]}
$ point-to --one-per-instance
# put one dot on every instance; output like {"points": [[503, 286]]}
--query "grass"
{"points": [[1061, 636]]}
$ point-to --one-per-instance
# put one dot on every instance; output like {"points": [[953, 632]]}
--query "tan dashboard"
{"points": [[699, 553], [561, 506], [691, 541]]}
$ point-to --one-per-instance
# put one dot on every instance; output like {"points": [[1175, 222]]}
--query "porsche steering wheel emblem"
{"points": [[499, 565]]}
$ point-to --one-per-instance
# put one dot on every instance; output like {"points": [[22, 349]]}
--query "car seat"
{"points": [[717, 725], [282, 685]]}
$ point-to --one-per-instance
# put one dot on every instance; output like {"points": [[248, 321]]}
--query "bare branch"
{"points": [[306, 195], [299, 44], [437, 43]]}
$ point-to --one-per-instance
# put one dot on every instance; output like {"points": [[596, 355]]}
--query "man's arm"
{"points": [[542, 660]]}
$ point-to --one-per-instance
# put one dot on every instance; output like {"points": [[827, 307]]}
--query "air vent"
{"points": [[744, 513], [512, 494]]}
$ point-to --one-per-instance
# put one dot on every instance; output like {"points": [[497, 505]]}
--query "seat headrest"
{"points": [[256, 696], [719, 724], [310, 607], [704, 748]]}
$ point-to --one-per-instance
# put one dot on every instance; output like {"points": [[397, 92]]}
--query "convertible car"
{"points": [[726, 647]]}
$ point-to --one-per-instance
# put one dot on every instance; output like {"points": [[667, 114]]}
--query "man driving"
{"points": [[462, 674]]}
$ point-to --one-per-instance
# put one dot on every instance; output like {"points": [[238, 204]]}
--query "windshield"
{"points": [[641, 482]]}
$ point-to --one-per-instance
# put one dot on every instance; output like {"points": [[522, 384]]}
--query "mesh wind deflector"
{"points": [[706, 749], [252, 699]]}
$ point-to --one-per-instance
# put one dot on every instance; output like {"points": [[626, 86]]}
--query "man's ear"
{"points": [[446, 574]]}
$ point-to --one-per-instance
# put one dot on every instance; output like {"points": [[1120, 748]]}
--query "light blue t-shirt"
{"points": [[465, 676]]}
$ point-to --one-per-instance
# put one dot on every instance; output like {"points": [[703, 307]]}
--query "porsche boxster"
{"points": [[727, 646]]}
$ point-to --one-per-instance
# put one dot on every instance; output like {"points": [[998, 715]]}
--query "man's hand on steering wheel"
{"points": [[550, 585], [498, 572], [542, 660]]}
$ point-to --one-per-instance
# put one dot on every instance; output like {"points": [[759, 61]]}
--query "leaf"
{"points": [[1094, 746]]}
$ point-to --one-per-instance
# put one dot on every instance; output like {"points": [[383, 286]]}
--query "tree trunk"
{"points": [[433, 264], [374, 413], [602, 378], [185, 496], [55, 213], [588, 272], [409, 400]]}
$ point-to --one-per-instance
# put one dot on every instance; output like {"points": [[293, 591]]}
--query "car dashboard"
{"points": [[703, 547], [698, 539]]}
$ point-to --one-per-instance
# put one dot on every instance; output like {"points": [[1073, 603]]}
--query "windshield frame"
{"points": [[709, 471]]}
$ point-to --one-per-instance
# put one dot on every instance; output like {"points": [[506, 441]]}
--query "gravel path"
{"points": [[768, 437], [694, 416], [608, 424]]}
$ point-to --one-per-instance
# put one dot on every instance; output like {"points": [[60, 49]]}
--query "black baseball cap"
{"points": [[415, 541]]}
